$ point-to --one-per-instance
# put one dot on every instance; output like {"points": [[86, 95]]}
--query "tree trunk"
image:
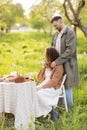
{"points": [[75, 30], [83, 29]]}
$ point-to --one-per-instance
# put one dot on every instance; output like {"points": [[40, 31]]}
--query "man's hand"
{"points": [[53, 64]]}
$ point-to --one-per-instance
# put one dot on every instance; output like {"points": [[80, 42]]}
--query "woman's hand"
{"points": [[47, 64]]}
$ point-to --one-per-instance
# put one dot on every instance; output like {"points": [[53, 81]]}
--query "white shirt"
{"points": [[58, 40]]}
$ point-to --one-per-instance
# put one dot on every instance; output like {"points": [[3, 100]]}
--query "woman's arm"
{"points": [[41, 75]]}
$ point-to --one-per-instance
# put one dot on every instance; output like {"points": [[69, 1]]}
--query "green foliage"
{"points": [[35, 19], [83, 17], [43, 124], [81, 42], [2, 121], [40, 16], [10, 14]]}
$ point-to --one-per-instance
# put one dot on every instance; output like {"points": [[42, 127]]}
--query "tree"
{"points": [[41, 14], [10, 14], [74, 11], [36, 21]]}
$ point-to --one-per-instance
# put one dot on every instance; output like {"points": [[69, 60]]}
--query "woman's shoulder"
{"points": [[59, 66], [58, 69]]}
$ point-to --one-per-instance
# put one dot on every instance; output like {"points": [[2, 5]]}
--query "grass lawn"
{"points": [[24, 53]]}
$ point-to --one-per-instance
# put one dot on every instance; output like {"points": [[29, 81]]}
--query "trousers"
{"points": [[69, 96]]}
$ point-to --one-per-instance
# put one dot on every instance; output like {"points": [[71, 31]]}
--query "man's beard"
{"points": [[59, 29]]}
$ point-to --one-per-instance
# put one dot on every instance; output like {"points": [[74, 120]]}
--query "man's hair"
{"points": [[56, 18], [51, 53]]}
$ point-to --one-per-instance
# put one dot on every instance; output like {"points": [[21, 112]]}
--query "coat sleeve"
{"points": [[41, 75], [70, 49], [56, 78]]}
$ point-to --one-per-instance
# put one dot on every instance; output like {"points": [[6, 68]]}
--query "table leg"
{"points": [[3, 114]]}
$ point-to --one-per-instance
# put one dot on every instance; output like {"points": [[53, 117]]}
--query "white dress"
{"points": [[46, 98]]}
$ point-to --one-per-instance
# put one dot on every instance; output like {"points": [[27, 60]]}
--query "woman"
{"points": [[50, 80]]}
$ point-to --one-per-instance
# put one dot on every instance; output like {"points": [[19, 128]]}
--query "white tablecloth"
{"points": [[19, 99]]}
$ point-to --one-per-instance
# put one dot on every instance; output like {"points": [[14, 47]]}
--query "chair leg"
{"points": [[65, 102]]}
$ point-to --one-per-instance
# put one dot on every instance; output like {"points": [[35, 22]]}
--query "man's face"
{"points": [[57, 25]]}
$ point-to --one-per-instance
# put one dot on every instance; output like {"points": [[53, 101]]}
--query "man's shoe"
{"points": [[54, 115]]}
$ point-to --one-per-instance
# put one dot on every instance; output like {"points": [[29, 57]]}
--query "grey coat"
{"points": [[68, 56]]}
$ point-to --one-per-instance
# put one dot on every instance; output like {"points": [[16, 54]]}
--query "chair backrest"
{"points": [[62, 84]]}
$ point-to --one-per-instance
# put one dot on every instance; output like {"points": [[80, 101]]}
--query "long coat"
{"points": [[68, 56]]}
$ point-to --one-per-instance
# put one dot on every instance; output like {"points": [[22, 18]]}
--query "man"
{"points": [[65, 42]]}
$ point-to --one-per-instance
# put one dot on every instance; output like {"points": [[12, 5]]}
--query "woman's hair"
{"points": [[51, 54]]}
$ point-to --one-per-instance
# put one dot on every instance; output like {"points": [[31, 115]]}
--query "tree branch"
{"points": [[81, 5], [75, 21], [71, 7], [66, 13]]}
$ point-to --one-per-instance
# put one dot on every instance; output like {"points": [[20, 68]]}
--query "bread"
{"points": [[19, 79], [16, 79]]}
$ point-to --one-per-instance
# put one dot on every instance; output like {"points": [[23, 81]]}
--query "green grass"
{"points": [[24, 53], [81, 42]]}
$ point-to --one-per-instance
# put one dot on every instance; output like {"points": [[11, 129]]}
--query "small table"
{"points": [[19, 99]]}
